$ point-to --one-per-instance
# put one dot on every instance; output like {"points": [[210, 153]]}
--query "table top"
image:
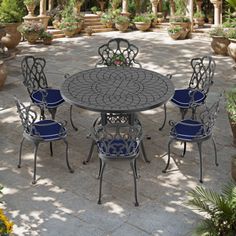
{"points": [[117, 89]]}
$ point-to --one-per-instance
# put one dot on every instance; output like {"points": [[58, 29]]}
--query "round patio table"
{"points": [[117, 89]]}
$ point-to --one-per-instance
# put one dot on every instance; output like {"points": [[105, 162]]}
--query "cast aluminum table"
{"points": [[117, 90]]}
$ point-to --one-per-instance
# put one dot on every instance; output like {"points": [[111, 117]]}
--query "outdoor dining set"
{"points": [[117, 88]]}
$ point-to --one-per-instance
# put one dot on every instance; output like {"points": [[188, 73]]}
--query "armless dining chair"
{"points": [[38, 131]]}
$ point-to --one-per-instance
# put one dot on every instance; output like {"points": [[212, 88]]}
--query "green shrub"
{"points": [[11, 11], [179, 19], [174, 29], [94, 9], [231, 34], [107, 17], [217, 31], [121, 19], [142, 18], [198, 14]]}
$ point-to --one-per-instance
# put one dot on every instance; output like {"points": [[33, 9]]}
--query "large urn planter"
{"points": [[122, 27], [12, 37], [232, 48], [186, 28], [3, 74], [219, 45], [142, 26]]}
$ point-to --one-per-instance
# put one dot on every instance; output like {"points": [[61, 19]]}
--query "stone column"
{"points": [[190, 9], [50, 5], [125, 7], [172, 7], [199, 5], [217, 10], [43, 13], [154, 6]]}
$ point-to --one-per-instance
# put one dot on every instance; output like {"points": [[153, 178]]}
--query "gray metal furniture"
{"points": [[117, 90], [195, 94], [118, 52], [36, 83], [40, 131], [118, 141], [195, 131]]}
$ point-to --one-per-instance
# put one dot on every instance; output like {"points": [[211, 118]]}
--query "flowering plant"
{"points": [[46, 35], [5, 225], [31, 27]]}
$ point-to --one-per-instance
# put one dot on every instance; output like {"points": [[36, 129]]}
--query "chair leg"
{"points": [[200, 155], [214, 145], [90, 153], [132, 164], [100, 168], [100, 185], [35, 160], [19, 163], [183, 112], [144, 153], [184, 151], [67, 156], [168, 161], [194, 113], [135, 168], [51, 150], [42, 114], [71, 120], [164, 122]]}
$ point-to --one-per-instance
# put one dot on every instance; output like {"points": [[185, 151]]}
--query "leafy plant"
{"points": [[179, 19], [121, 19], [198, 14], [174, 29], [142, 18], [107, 18], [94, 9], [220, 209], [11, 11], [31, 27], [231, 103], [181, 7], [217, 31], [69, 23], [232, 3], [229, 24], [46, 35]]}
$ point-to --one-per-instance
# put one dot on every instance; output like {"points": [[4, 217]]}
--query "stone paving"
{"points": [[62, 203]]}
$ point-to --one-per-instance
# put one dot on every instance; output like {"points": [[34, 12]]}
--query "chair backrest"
{"points": [[203, 72], [118, 52], [27, 116], [33, 73], [118, 140], [208, 117]]}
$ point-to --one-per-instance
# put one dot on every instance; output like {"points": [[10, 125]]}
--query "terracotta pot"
{"points": [[13, 36], [232, 48], [3, 74], [108, 24], [142, 26], [219, 45], [122, 27], [233, 167], [69, 33], [32, 37], [175, 36]]}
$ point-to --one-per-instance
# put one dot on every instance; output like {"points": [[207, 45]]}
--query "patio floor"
{"points": [[62, 203]]}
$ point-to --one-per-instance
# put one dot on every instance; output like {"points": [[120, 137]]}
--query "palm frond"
{"points": [[205, 228], [232, 3]]}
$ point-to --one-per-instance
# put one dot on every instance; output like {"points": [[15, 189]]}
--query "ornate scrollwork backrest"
{"points": [[27, 116], [203, 72], [118, 52], [118, 139], [208, 117], [33, 73]]}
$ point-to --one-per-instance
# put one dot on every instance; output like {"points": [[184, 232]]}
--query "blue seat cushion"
{"points": [[117, 147], [53, 97], [188, 130], [48, 130], [182, 97]]}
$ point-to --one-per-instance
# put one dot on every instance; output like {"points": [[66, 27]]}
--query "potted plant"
{"points": [[70, 26], [94, 9], [153, 19], [31, 30], [175, 31], [121, 23], [11, 14], [199, 18], [220, 209], [142, 22], [231, 35], [219, 41], [231, 109], [107, 19], [47, 38]]}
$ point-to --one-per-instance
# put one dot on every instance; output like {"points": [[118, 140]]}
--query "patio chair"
{"points": [[118, 52], [118, 142], [36, 83], [195, 131], [196, 92], [40, 131]]}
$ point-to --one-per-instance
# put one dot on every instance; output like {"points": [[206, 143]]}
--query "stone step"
{"points": [[92, 24], [100, 30]]}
